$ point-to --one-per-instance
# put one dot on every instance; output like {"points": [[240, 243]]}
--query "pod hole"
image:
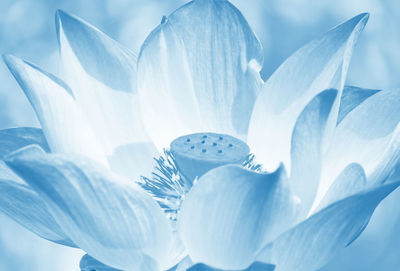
{"points": [[219, 151], [188, 140], [192, 147], [214, 144], [230, 145], [204, 150], [204, 136], [220, 138], [203, 141]]}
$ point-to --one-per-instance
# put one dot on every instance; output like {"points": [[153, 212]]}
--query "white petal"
{"points": [[350, 181], [19, 202], [319, 65], [134, 160], [351, 98], [312, 243], [199, 71], [65, 127], [15, 138], [306, 147], [388, 160], [102, 76], [364, 136], [233, 212], [112, 220]]}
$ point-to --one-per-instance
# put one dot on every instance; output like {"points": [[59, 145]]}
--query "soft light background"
{"points": [[27, 30]]}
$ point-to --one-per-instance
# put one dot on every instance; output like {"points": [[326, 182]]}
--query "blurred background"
{"points": [[27, 30]]}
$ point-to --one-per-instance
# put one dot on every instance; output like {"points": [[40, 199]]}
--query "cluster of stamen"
{"points": [[167, 185]]}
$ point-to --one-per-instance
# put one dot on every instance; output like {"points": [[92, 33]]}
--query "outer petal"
{"points": [[363, 137], [25, 206], [115, 222], [319, 65], [102, 76], [306, 147], [15, 138], [351, 98], [199, 71], [233, 212], [63, 123], [312, 243]]}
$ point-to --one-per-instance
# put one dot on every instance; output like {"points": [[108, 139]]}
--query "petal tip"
{"points": [[361, 20], [62, 16]]}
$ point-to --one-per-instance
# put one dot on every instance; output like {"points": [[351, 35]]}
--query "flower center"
{"points": [[188, 158], [196, 154]]}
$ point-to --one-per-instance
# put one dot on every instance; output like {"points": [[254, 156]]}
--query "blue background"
{"points": [[27, 30]]}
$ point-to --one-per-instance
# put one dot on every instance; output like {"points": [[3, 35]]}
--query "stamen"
{"points": [[166, 185], [251, 164]]}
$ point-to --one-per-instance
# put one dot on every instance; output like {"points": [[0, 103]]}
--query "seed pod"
{"points": [[195, 154]]}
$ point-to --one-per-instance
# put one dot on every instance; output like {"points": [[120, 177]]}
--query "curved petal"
{"points": [[388, 160], [351, 98], [362, 137], [19, 202], [232, 212], [112, 220], [350, 181], [199, 71], [15, 138], [306, 147], [102, 76], [63, 123], [319, 65], [312, 243], [90, 264]]}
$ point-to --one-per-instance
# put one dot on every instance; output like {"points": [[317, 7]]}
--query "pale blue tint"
{"points": [[27, 30]]}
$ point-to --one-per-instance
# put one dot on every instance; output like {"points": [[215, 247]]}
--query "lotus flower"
{"points": [[326, 153]]}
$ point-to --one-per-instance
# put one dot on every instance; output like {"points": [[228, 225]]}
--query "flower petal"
{"points": [[349, 182], [351, 98], [362, 137], [256, 266], [388, 160], [312, 243], [63, 123], [306, 147], [232, 212], [90, 264], [319, 65], [199, 71], [15, 138], [102, 76], [134, 160], [19, 202], [112, 220]]}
